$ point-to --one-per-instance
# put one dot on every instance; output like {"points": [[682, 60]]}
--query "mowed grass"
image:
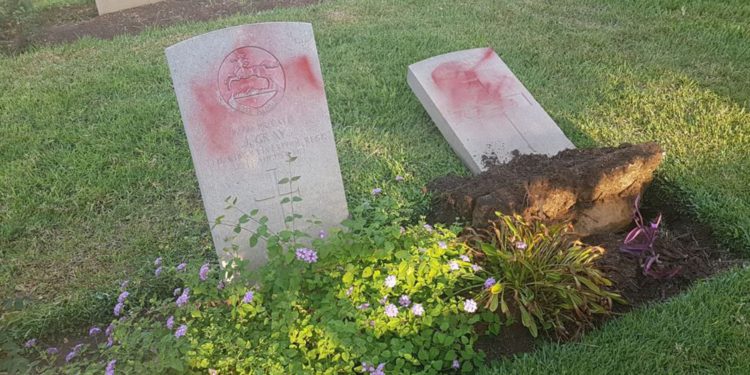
{"points": [[703, 332], [43, 4], [96, 176]]}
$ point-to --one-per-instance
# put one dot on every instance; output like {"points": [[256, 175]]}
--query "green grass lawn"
{"points": [[96, 177]]}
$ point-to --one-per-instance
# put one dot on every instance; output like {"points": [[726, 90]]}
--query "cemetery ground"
{"points": [[97, 179], [24, 23]]}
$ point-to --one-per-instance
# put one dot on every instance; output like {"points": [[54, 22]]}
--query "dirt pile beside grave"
{"points": [[592, 188]]}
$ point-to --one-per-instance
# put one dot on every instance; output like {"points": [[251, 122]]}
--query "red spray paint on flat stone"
{"points": [[214, 118], [464, 85]]}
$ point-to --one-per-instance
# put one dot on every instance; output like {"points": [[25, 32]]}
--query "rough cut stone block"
{"points": [[593, 188], [482, 109], [109, 6], [250, 95]]}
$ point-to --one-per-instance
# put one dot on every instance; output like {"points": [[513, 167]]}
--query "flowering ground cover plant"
{"points": [[375, 297]]}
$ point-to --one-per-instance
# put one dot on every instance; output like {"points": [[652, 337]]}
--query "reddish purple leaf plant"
{"points": [[640, 242]]}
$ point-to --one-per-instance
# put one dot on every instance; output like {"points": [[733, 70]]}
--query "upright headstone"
{"points": [[109, 6], [249, 96], [482, 109]]}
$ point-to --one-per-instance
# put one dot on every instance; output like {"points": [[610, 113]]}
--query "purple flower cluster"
{"points": [[470, 306], [465, 258], [30, 343], [110, 367], [520, 245], [322, 234], [181, 331], [404, 301], [93, 331], [456, 364], [170, 322], [183, 299], [181, 266], [118, 309], [489, 283], [453, 265], [73, 353], [157, 262], [108, 332], [363, 306], [442, 245], [307, 255], [203, 273], [399, 178], [120, 303], [52, 350], [157, 272], [428, 227], [377, 191], [380, 370], [248, 298]]}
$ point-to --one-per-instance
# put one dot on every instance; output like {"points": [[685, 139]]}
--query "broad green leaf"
{"points": [[528, 321], [367, 272], [348, 278]]}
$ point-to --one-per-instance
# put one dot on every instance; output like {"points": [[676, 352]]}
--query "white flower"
{"points": [[391, 310], [417, 309], [390, 281]]}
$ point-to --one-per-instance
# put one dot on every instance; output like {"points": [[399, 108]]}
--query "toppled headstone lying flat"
{"points": [[250, 96], [482, 109], [593, 188], [109, 6]]}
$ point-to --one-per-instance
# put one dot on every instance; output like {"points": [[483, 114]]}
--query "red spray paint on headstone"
{"points": [[465, 86], [214, 118], [301, 70]]}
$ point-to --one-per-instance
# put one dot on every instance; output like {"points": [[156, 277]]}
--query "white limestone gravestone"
{"points": [[482, 109], [249, 96], [109, 6]]}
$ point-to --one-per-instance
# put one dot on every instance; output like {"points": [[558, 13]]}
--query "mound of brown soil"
{"points": [[592, 188]]}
